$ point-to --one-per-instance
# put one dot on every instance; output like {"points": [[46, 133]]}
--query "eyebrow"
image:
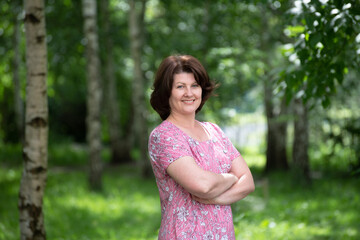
{"points": [[184, 83]]}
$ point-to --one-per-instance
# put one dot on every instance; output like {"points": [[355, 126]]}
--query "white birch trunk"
{"points": [[138, 94], [94, 93], [36, 130]]}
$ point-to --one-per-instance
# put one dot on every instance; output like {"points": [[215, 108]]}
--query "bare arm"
{"points": [[198, 182], [239, 190]]}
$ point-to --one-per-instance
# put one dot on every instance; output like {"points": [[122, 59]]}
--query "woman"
{"points": [[198, 171]]}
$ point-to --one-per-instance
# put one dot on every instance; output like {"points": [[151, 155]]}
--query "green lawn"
{"points": [[129, 206]]}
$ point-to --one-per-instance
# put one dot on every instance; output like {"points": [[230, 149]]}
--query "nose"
{"points": [[188, 91]]}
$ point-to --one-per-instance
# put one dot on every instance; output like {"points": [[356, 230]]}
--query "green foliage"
{"points": [[327, 45], [11, 154], [64, 154], [9, 13], [59, 154], [241, 43], [335, 132], [66, 80]]}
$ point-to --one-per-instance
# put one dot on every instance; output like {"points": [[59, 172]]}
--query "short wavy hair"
{"points": [[164, 78]]}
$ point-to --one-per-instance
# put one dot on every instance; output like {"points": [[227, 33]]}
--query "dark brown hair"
{"points": [[164, 78]]}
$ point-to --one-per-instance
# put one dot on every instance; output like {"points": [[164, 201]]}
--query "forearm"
{"points": [[214, 185], [199, 182], [236, 192]]}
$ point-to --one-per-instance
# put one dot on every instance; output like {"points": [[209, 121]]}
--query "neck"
{"points": [[186, 121]]}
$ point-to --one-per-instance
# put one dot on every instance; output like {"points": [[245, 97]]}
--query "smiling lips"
{"points": [[188, 101]]}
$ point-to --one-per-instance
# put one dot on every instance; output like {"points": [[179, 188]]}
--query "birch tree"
{"points": [[136, 28], [119, 147], [36, 130], [94, 93]]}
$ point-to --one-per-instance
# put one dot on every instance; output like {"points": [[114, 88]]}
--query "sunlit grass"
{"points": [[129, 206], [328, 209]]}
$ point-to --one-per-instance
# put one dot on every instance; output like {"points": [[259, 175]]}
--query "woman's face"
{"points": [[185, 95]]}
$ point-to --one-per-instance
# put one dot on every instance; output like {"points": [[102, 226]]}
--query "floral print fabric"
{"points": [[182, 217]]}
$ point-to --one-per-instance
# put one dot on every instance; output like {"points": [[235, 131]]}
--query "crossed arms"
{"points": [[212, 188]]}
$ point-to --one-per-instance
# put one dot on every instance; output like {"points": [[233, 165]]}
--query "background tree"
{"points": [[275, 105], [12, 80], [136, 31], [120, 148], [301, 166], [35, 150], [326, 44], [245, 46], [326, 33], [94, 93], [66, 84]]}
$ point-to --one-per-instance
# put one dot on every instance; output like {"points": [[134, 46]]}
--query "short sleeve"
{"points": [[166, 145], [228, 148]]}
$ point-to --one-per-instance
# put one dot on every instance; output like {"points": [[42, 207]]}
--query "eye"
{"points": [[195, 85], [179, 86]]}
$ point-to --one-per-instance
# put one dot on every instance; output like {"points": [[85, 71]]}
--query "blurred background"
{"points": [[288, 99]]}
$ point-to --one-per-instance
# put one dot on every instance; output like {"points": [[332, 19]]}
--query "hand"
{"points": [[230, 175]]}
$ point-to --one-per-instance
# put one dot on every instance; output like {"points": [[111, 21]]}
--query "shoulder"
{"points": [[164, 130], [164, 126]]}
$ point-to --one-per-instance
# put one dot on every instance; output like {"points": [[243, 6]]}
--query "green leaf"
{"points": [[295, 30], [310, 19], [303, 55], [325, 102], [314, 39]]}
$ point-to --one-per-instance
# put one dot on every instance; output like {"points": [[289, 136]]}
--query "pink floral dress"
{"points": [[182, 217]]}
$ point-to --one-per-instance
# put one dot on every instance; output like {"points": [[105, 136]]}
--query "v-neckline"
{"points": [[202, 126]]}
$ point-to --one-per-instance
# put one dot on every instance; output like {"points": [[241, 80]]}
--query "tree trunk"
{"points": [[301, 168], [136, 27], [94, 94], [205, 30], [276, 158], [120, 149], [18, 103], [36, 130]]}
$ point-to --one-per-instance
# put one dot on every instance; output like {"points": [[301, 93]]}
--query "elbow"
{"points": [[250, 186], [205, 191], [209, 193]]}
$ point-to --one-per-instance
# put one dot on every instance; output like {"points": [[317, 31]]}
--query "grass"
{"points": [[126, 209], [326, 210], [129, 206]]}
